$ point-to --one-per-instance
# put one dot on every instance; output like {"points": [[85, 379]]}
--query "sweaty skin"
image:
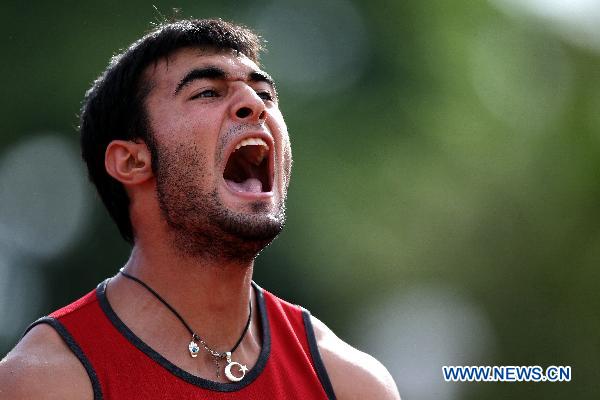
{"points": [[184, 252]]}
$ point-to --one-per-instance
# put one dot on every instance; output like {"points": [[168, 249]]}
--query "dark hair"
{"points": [[113, 108]]}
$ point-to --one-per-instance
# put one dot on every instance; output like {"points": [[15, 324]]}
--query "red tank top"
{"points": [[121, 366]]}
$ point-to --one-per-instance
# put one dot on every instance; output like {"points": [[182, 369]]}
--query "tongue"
{"points": [[252, 185]]}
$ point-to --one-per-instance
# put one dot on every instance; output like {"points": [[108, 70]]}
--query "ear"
{"points": [[128, 162]]}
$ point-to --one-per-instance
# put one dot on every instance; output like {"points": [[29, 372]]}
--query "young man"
{"points": [[184, 140]]}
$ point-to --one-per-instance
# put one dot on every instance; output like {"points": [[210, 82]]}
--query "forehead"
{"points": [[168, 71]]}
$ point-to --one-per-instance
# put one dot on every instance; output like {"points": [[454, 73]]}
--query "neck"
{"points": [[211, 295]]}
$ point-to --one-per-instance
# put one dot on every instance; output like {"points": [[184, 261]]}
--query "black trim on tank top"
{"points": [[70, 341], [175, 370], [316, 355]]}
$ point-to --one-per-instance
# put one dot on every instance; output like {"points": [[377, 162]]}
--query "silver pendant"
{"points": [[241, 367], [194, 348]]}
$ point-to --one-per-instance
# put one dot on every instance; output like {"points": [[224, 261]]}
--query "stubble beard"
{"points": [[201, 224]]}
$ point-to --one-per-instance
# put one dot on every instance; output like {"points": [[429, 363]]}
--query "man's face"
{"points": [[221, 151]]}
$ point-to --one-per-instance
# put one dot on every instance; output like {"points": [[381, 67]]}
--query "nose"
{"points": [[248, 106]]}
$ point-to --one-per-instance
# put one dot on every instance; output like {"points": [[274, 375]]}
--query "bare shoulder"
{"points": [[41, 366], [353, 374]]}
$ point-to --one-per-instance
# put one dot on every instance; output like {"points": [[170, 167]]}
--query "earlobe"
{"points": [[128, 162]]}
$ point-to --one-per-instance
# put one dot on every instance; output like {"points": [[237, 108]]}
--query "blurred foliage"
{"points": [[425, 170]]}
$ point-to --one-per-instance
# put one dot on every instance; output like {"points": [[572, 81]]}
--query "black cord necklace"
{"points": [[193, 346]]}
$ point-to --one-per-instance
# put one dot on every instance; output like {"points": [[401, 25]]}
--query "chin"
{"points": [[234, 241], [223, 233], [257, 225]]}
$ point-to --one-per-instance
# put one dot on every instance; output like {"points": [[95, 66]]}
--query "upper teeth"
{"points": [[252, 142]]}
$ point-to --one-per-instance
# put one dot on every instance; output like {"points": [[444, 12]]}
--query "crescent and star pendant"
{"points": [[195, 349], [243, 369]]}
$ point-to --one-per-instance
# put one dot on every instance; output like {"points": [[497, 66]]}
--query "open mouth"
{"points": [[247, 169]]}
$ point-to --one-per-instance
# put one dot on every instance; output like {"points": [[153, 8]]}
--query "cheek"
{"points": [[287, 158], [287, 162], [185, 171], [179, 124], [192, 139], [281, 135]]}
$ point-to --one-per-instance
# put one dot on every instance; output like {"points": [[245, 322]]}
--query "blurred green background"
{"points": [[445, 199]]}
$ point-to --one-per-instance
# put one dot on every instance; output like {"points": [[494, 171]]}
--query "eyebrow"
{"points": [[202, 73], [218, 73], [260, 76]]}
